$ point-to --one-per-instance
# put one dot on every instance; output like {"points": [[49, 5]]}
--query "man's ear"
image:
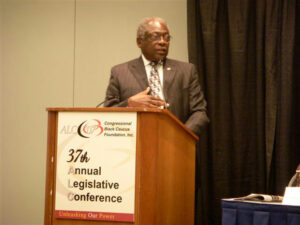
{"points": [[139, 42]]}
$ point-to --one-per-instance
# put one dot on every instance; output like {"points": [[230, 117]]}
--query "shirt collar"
{"points": [[147, 62]]}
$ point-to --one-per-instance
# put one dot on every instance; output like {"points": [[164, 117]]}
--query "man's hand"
{"points": [[142, 99]]}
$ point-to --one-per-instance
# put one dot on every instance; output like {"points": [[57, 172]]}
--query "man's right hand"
{"points": [[143, 99]]}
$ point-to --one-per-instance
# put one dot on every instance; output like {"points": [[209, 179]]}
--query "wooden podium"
{"points": [[165, 169]]}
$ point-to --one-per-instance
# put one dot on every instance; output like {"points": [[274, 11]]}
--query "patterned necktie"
{"points": [[154, 80]]}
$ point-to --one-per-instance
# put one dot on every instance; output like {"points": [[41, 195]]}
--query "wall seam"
{"points": [[1, 106], [74, 52]]}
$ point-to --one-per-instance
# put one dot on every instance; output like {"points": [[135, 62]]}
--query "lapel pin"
{"points": [[169, 68]]}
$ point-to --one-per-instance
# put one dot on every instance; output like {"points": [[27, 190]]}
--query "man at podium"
{"points": [[153, 80]]}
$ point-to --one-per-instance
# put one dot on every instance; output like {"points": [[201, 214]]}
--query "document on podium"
{"points": [[260, 198]]}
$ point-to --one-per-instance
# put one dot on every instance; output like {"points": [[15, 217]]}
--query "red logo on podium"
{"points": [[90, 128]]}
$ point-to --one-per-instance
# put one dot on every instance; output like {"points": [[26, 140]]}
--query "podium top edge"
{"points": [[124, 109], [104, 109]]}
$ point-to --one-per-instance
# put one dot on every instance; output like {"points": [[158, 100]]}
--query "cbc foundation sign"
{"points": [[95, 174]]}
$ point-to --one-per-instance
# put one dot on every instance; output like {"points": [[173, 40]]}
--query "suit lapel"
{"points": [[137, 68], [169, 74]]}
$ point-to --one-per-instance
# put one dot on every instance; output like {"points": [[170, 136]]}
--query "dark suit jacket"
{"points": [[180, 86]]}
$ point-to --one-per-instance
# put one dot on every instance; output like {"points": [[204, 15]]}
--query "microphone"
{"points": [[109, 98]]}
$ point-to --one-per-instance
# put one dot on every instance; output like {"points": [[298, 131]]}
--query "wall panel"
{"points": [[1, 116], [38, 39]]}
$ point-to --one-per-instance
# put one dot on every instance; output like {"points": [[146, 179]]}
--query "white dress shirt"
{"points": [[159, 68]]}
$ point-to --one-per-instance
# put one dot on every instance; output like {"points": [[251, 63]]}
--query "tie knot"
{"points": [[155, 64]]}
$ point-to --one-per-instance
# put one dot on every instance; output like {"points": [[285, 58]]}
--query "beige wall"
{"points": [[1, 88], [37, 72], [54, 55]]}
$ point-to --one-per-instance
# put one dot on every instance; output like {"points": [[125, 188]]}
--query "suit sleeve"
{"points": [[113, 92], [197, 105]]}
